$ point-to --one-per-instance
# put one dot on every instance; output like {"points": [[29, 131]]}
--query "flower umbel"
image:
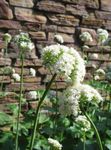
{"points": [[59, 38], [86, 37], [55, 144], [7, 37]]}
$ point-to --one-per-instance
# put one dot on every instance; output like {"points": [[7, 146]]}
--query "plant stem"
{"points": [[96, 131], [84, 145], [5, 54], [37, 112], [20, 102]]}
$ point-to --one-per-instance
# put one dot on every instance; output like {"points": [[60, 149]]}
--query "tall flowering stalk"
{"points": [[7, 38], [24, 44]]}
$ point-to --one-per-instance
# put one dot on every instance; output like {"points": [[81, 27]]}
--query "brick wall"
{"points": [[42, 19]]}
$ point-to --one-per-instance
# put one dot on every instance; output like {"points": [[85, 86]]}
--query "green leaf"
{"points": [[5, 119]]}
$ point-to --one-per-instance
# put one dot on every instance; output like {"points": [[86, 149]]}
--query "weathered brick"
{"points": [[65, 20], [51, 6], [5, 11], [67, 38], [23, 3], [76, 10], [70, 30], [29, 15], [106, 5], [94, 22], [103, 15], [38, 35], [5, 61], [9, 24], [26, 87], [5, 79], [30, 79], [88, 3], [29, 63]]}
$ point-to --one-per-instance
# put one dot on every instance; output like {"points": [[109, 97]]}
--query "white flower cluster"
{"points": [[32, 72], [70, 99], [59, 38], [23, 41], [86, 37], [64, 61], [7, 37], [55, 144], [69, 102], [102, 35], [83, 122], [90, 94], [33, 95], [16, 77]]}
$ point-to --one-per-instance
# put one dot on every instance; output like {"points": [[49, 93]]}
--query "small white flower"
{"points": [[85, 47], [102, 35], [83, 122], [69, 102], [55, 144], [33, 72], [95, 56], [100, 71], [13, 70], [31, 46], [96, 77], [86, 37], [33, 95], [7, 37], [59, 38], [23, 45], [16, 77]]}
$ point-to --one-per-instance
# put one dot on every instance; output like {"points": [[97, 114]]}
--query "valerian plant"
{"points": [[71, 110]]}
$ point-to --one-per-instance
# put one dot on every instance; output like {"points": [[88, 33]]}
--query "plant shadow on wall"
{"points": [[76, 118]]}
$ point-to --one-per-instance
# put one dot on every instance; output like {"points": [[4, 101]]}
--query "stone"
{"points": [[23, 3], [30, 79], [5, 79], [107, 25], [67, 38], [25, 72], [51, 6], [5, 61], [5, 11], [29, 16], [103, 15], [26, 87], [29, 63], [65, 20], [106, 5], [9, 24], [88, 3], [76, 10], [32, 26], [49, 28], [70, 30], [38, 35], [94, 22]]}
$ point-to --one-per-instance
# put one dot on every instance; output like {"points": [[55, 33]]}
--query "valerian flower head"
{"points": [[89, 94], [82, 121], [33, 95], [64, 61], [16, 77], [7, 37], [69, 102], [24, 42], [32, 72], [102, 35], [59, 38], [100, 71], [86, 37], [55, 144]]}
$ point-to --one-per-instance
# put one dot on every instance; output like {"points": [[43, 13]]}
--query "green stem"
{"points": [[84, 145], [20, 102], [5, 54], [37, 112], [96, 131]]}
